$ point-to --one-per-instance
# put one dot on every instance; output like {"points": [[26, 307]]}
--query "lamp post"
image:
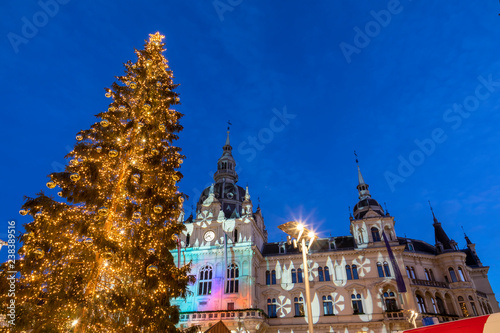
{"points": [[298, 231]]}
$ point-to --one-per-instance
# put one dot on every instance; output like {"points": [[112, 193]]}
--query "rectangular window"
{"points": [[230, 306]]}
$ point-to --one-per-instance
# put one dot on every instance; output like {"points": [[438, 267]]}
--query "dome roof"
{"points": [[228, 194], [364, 205]]}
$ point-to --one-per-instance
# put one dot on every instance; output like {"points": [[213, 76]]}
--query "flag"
{"points": [[399, 278]]}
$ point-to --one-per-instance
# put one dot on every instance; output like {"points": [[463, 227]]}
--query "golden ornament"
{"points": [[151, 252], [136, 215], [74, 176], [79, 137], [111, 109], [88, 241], [162, 127], [133, 85], [181, 199], [104, 123], [152, 269], [158, 209], [149, 63], [103, 211], [147, 107], [136, 176], [177, 99], [155, 151], [176, 178], [60, 194], [73, 162], [23, 212], [98, 149], [158, 84], [108, 94], [121, 108], [113, 153], [39, 254], [181, 161], [140, 124], [107, 255], [51, 184]]}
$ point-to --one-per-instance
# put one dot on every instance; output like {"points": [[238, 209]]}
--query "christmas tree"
{"points": [[98, 259]]}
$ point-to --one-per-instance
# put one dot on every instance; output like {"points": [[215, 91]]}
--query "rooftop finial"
{"points": [[350, 213], [386, 210], [356, 157], [432, 211]]}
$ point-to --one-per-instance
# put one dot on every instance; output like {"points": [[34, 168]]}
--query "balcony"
{"points": [[202, 316], [395, 315], [430, 283]]}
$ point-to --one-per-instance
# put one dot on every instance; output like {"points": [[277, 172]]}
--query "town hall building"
{"points": [[372, 280]]}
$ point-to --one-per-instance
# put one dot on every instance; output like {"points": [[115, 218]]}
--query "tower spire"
{"points": [[226, 165], [362, 187], [443, 242]]}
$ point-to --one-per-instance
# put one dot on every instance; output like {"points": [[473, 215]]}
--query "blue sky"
{"points": [[416, 94]]}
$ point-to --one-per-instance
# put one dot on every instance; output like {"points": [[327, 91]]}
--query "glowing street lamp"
{"points": [[299, 232]]}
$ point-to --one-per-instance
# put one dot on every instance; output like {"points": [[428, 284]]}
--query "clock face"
{"points": [[209, 236]]}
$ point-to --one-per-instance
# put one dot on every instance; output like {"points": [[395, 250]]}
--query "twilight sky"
{"points": [[412, 86]]}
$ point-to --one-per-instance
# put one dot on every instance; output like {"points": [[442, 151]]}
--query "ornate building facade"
{"points": [[370, 281]]}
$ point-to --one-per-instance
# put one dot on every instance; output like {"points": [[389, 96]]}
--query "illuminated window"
{"points": [[300, 275], [421, 304], [357, 305], [327, 273], [348, 272], [294, 275], [327, 305], [273, 277], [463, 307], [375, 234], [320, 274], [232, 276], [461, 274], [453, 276], [380, 270], [299, 306], [355, 272], [271, 308], [386, 269], [205, 281], [268, 278]]}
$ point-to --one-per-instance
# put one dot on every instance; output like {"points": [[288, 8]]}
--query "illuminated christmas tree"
{"points": [[98, 259]]}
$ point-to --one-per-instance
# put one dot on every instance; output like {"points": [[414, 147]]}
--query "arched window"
{"points": [[461, 274], [432, 275], [268, 278], [232, 276], [473, 306], [294, 275], [440, 305], [271, 307], [434, 305], [380, 270], [386, 269], [273, 277], [375, 234], [205, 281], [187, 239], [327, 273], [321, 277], [427, 276], [408, 272], [453, 276], [421, 304], [357, 304], [327, 305], [390, 301], [348, 272], [299, 306], [355, 272], [300, 275], [463, 307], [413, 275], [235, 235]]}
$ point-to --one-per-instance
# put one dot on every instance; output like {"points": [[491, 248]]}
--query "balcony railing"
{"points": [[222, 315], [430, 283], [395, 315]]}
